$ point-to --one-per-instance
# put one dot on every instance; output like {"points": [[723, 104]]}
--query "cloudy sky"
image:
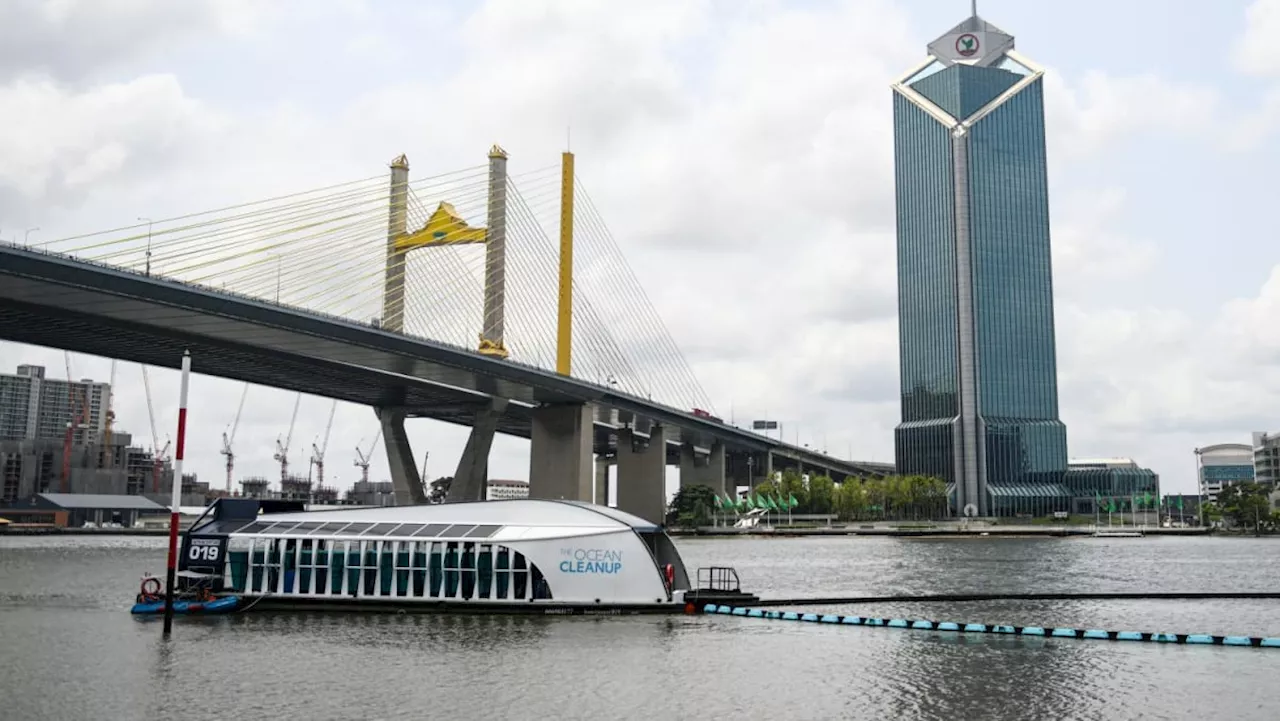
{"points": [[742, 149]]}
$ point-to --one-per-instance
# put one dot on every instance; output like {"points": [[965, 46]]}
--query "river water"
{"points": [[70, 650]]}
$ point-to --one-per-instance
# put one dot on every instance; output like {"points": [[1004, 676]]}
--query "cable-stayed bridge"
{"points": [[443, 297]]}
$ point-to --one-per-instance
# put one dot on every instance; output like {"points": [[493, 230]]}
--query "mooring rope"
{"points": [[1038, 631]]}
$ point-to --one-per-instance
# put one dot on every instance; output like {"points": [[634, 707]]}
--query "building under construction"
{"points": [[56, 436], [28, 467], [33, 406]]}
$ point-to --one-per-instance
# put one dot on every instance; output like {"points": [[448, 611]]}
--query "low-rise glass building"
{"points": [[1120, 483]]}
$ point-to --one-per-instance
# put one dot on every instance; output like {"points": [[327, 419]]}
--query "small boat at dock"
{"points": [[187, 606], [150, 600]]}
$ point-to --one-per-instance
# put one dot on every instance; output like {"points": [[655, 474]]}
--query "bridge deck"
{"points": [[60, 302]]}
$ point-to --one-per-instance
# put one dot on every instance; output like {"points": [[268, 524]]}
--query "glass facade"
{"points": [[1094, 488], [999, 174], [1226, 473], [927, 303], [962, 90]]}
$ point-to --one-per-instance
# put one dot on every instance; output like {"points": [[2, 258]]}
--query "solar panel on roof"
{"points": [[328, 528], [482, 531], [430, 530], [255, 527], [459, 529], [356, 529], [382, 529]]}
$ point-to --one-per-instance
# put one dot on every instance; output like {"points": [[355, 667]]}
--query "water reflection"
{"points": [[63, 617]]}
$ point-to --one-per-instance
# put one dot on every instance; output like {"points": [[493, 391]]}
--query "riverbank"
{"points": [[51, 531], [940, 530]]}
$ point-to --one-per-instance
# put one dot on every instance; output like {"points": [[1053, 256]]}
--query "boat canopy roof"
{"points": [[480, 520]]}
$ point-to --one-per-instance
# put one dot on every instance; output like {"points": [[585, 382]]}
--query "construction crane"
{"points": [[362, 459], [159, 454], [71, 423], [162, 457], [317, 453], [282, 449], [227, 440], [111, 418]]}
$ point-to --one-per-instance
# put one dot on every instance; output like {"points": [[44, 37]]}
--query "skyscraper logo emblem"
{"points": [[967, 45]]}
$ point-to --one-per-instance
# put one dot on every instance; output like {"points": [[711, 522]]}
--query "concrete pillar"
{"points": [[404, 472], [397, 225], [560, 456], [495, 258], [602, 481], [471, 479], [702, 470], [642, 476]]}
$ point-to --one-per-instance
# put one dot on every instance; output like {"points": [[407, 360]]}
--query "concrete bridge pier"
{"points": [[642, 474], [560, 456], [405, 479], [471, 479], [602, 481], [697, 469], [744, 468]]}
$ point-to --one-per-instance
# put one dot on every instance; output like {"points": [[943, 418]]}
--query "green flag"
{"points": [[1098, 497], [749, 503], [1179, 503], [1111, 505], [1147, 499], [772, 504], [792, 502]]}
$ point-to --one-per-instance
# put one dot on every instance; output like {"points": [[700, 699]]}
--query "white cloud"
{"points": [[1256, 53], [744, 163], [1086, 248], [59, 141], [75, 39], [1088, 114]]}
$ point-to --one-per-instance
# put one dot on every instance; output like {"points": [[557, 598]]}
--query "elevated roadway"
{"points": [[62, 302]]}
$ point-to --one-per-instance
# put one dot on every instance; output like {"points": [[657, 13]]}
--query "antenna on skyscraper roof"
{"points": [[974, 7]]}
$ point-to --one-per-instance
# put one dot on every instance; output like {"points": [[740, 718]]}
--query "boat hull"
{"points": [[277, 603], [225, 604]]}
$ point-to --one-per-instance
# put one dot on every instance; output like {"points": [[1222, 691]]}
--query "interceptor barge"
{"points": [[530, 556]]}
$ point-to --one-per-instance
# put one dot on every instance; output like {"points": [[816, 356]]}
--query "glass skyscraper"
{"points": [[975, 282]]}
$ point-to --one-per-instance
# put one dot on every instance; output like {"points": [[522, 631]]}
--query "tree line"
{"points": [[892, 498]]}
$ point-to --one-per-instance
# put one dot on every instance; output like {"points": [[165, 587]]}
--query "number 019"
{"points": [[203, 553]]}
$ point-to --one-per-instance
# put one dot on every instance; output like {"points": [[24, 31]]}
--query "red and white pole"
{"points": [[176, 493]]}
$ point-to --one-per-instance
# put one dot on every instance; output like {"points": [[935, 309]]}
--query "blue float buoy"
{"points": [[926, 625]]}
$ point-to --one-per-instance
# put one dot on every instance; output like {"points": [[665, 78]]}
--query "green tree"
{"points": [[822, 494], [1246, 504], [1210, 512], [852, 500], [692, 506], [790, 484]]}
